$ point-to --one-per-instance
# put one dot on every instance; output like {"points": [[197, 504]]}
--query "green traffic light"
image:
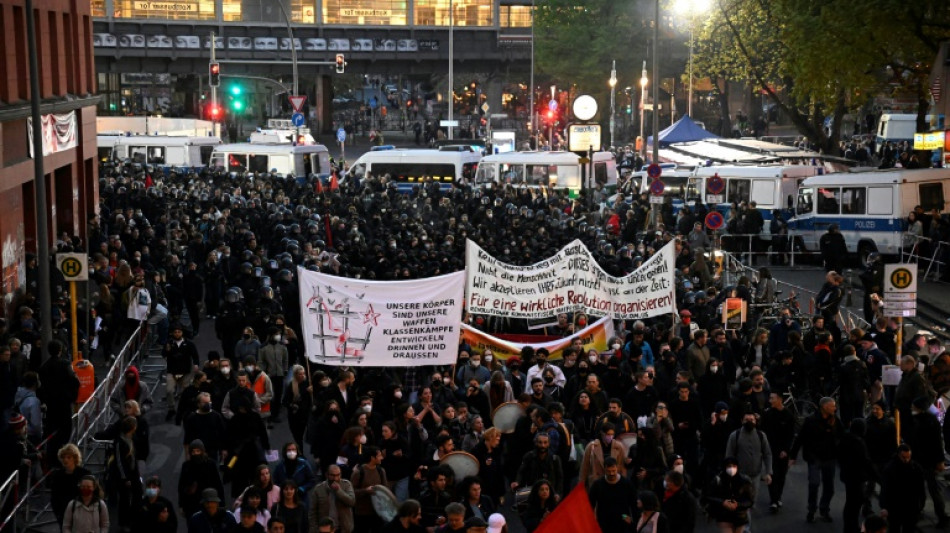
{"points": [[235, 90], [238, 105]]}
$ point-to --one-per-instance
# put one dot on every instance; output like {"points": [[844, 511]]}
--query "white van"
{"points": [[770, 187], [285, 159], [159, 150], [896, 127], [870, 208], [408, 168], [561, 170]]}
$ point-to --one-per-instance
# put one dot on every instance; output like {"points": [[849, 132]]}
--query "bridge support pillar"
{"points": [[493, 91], [321, 114]]}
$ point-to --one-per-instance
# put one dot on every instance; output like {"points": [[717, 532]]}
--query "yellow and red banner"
{"points": [[594, 336]]}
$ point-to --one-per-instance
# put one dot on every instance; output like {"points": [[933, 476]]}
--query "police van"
{"points": [[561, 170], [870, 208], [280, 158], [163, 151], [409, 168], [770, 187]]}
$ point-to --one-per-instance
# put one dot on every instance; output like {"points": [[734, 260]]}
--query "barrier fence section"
{"points": [[93, 415]]}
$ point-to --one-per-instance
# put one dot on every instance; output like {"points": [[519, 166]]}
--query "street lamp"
{"points": [[451, 67], [613, 83], [690, 8], [643, 104]]}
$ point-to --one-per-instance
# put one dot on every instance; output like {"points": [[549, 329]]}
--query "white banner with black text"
{"points": [[569, 281], [357, 322]]}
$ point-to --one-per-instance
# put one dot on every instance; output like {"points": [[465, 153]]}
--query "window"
{"points": [[763, 193], [511, 174], [694, 185], [853, 201], [805, 201], [166, 9], [600, 173], [237, 162], [515, 16], [257, 163], [880, 200], [931, 196], [540, 174], [368, 12], [737, 190], [464, 12], [829, 201], [485, 174], [205, 154], [468, 170]]}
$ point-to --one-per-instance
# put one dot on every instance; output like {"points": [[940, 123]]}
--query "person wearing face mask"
{"points": [[207, 425], [514, 375], [274, 363], [678, 503], [155, 510], [297, 468], [222, 382], [472, 370], [261, 384], [729, 497], [541, 359], [88, 512], [248, 346], [298, 400], [751, 448], [551, 388], [596, 452], [198, 473]]}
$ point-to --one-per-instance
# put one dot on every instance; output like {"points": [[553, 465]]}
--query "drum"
{"points": [[628, 440], [506, 416], [521, 498], [463, 464], [384, 503]]}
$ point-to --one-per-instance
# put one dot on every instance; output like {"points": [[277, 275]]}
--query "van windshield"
{"points": [[804, 201]]}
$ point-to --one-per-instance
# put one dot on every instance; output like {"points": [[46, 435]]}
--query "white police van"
{"points": [[870, 208], [409, 168]]}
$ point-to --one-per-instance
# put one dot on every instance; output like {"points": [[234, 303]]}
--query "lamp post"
{"points": [[532, 116], [451, 67], [691, 8], [643, 105], [656, 84], [613, 83]]}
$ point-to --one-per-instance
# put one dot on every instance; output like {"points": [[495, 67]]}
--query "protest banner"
{"points": [[569, 281], [374, 323], [594, 336]]}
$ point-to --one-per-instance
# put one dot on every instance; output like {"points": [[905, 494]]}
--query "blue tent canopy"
{"points": [[682, 131]]}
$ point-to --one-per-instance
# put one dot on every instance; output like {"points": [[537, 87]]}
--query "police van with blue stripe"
{"points": [[870, 208]]}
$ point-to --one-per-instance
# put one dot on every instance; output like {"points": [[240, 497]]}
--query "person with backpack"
{"points": [[750, 447], [365, 477], [87, 513]]}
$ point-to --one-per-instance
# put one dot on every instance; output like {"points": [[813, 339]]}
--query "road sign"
{"points": [[341, 135], [715, 185], [373, 103], [657, 187], [552, 105], [75, 267], [714, 220], [485, 107], [448, 123], [499, 115], [715, 198], [657, 199], [296, 101], [901, 277], [297, 119], [654, 171], [902, 297], [583, 137]]}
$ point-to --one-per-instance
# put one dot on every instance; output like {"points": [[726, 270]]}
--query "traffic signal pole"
{"points": [[214, 96]]}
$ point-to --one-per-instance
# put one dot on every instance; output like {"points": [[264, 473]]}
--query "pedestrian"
{"points": [[902, 492], [87, 513], [156, 512], [540, 503], [124, 470], [926, 439], [818, 441], [198, 473], [334, 498], [296, 467], [366, 476], [597, 451], [651, 520], [64, 482], [729, 498], [290, 511], [212, 518], [274, 363], [679, 506], [778, 423], [833, 248], [856, 470], [181, 360], [751, 449], [614, 499]]}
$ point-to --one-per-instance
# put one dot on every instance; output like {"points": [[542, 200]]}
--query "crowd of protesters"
{"points": [[675, 419]]}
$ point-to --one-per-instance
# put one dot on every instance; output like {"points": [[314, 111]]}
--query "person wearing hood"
{"points": [[131, 388], [198, 473], [27, 403], [729, 497]]}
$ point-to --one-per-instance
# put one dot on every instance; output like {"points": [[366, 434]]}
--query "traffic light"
{"points": [[214, 112], [214, 70], [629, 110], [551, 116], [340, 64], [237, 98]]}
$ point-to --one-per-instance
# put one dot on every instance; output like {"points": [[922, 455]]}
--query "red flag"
{"points": [[573, 515], [318, 188], [334, 184]]}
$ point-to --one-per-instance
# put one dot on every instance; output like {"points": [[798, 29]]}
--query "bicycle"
{"points": [[801, 407]]}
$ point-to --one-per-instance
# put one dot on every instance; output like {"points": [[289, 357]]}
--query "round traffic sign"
{"points": [[71, 267], [714, 220], [715, 184], [902, 278], [552, 104], [657, 187], [297, 119], [341, 135], [654, 170]]}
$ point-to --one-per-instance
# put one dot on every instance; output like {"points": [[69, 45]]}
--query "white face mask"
{"points": [[249, 368], [722, 418], [678, 468], [291, 455], [615, 346], [363, 439], [665, 485], [714, 369], [921, 367], [398, 394], [324, 383], [225, 370], [276, 338], [475, 364], [593, 359], [447, 381], [367, 408], [732, 471], [488, 358]]}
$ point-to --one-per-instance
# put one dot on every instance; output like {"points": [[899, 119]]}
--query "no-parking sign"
{"points": [[714, 220], [657, 188], [654, 170], [715, 184]]}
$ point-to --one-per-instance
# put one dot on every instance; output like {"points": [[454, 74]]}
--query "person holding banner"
{"points": [[541, 359]]}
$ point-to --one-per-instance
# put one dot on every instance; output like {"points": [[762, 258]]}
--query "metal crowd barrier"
{"points": [[10, 488]]}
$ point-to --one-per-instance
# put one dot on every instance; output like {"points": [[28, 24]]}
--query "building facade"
{"points": [[68, 108]]}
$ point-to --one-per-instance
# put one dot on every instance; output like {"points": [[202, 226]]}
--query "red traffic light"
{"points": [[214, 111], [214, 72]]}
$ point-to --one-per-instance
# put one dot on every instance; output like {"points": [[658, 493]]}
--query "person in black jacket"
{"points": [[902, 492], [125, 472], [728, 497], [58, 392], [198, 473], [678, 505], [156, 512], [856, 470], [778, 423], [181, 359], [818, 440], [853, 383], [833, 249], [926, 440], [881, 438]]}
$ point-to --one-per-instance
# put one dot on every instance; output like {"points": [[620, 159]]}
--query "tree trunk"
{"points": [[725, 122]]}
